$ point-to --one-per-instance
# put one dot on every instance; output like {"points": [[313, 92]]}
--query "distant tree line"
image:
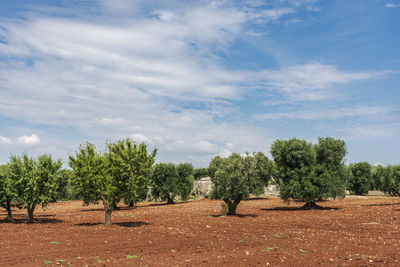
{"points": [[125, 170]]}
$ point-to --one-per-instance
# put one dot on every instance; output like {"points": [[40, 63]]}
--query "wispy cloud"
{"points": [[329, 113], [389, 5], [311, 81]]}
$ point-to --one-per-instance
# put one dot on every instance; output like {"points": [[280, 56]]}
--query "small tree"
{"points": [[35, 181], [308, 172], [92, 180], [185, 184], [360, 180], [391, 180], [378, 174], [200, 173], [6, 190], [109, 176], [130, 165], [169, 181], [236, 177]]}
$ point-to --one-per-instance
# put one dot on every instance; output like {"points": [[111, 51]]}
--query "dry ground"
{"points": [[351, 232]]}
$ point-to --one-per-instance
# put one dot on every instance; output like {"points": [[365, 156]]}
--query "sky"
{"points": [[196, 79]]}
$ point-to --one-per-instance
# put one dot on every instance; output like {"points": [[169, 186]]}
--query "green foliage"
{"points": [[120, 172], [236, 177], [200, 173], [36, 180], [378, 174], [307, 172], [185, 184], [391, 180], [130, 164], [169, 181], [360, 179], [7, 189]]}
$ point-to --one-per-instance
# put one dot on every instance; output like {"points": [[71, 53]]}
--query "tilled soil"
{"points": [[350, 232]]}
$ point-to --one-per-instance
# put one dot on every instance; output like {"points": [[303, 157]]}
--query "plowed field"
{"points": [[351, 232]]}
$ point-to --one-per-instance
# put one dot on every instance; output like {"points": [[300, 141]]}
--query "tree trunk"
{"points": [[232, 206], [115, 206], [107, 210], [30, 210], [170, 200], [8, 207], [311, 205]]}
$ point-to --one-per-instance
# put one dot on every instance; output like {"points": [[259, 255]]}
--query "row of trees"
{"points": [[124, 171], [28, 182], [302, 171]]}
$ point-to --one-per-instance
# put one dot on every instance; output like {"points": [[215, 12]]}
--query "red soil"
{"points": [[350, 232]]}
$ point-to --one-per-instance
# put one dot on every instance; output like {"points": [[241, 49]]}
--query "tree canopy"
{"points": [[307, 172], [122, 171], [35, 181], [236, 177], [360, 180], [169, 181]]}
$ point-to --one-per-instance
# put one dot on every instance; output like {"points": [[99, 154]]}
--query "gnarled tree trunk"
{"points": [[30, 210], [232, 206], [108, 208]]}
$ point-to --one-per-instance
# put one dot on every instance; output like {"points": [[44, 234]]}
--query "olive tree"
{"points": [[236, 177], [308, 172], [36, 181], [6, 189], [391, 180], [130, 164], [91, 179], [360, 179], [200, 173], [119, 172], [169, 181]]}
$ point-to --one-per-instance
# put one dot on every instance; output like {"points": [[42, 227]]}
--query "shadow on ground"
{"points": [[237, 215], [36, 219], [299, 208], [122, 224]]}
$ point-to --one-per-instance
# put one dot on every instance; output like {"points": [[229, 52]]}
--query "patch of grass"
{"points": [[60, 260], [277, 236], [54, 242], [271, 248], [47, 262], [302, 251], [243, 239], [128, 257]]}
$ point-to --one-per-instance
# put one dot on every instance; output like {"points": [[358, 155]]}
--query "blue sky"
{"points": [[200, 78]]}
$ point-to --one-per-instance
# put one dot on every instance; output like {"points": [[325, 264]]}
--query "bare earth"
{"points": [[352, 232]]}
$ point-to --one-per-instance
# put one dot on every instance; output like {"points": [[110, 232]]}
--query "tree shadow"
{"points": [[36, 220], [121, 224], [236, 215], [379, 205], [131, 224], [256, 198], [167, 204], [299, 208]]}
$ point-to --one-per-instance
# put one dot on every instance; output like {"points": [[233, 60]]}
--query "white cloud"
{"points": [[204, 146], [4, 140], [312, 81], [389, 5], [140, 138], [328, 113], [31, 140]]}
